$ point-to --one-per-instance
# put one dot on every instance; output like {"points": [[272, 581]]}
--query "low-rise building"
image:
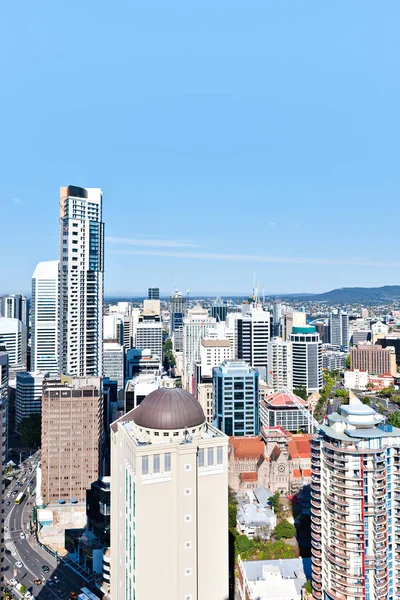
{"points": [[275, 460], [373, 358], [280, 410], [334, 361], [254, 519], [281, 579], [356, 379], [379, 382]]}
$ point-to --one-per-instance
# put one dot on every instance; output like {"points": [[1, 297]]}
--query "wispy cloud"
{"points": [[271, 223], [16, 201], [350, 262], [162, 243]]}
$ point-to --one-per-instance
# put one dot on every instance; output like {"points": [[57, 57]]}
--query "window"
{"points": [[188, 571], [210, 456], [188, 491], [201, 458], [156, 463], [188, 518], [220, 455], [167, 461], [145, 465], [188, 467], [188, 597], [188, 545]]}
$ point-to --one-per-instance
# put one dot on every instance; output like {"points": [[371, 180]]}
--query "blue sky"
{"points": [[229, 139]]}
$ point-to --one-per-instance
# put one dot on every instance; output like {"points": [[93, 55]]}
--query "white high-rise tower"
{"points": [[81, 281], [44, 318]]}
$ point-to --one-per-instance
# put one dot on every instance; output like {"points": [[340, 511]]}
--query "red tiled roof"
{"points": [[248, 476], [275, 431], [306, 472], [296, 473], [299, 446], [283, 399], [247, 446]]}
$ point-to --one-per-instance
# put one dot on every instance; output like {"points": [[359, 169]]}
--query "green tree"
{"points": [[243, 544], [301, 392], [366, 401], [30, 430], [284, 529], [394, 418], [308, 586], [348, 361], [387, 392], [370, 385]]}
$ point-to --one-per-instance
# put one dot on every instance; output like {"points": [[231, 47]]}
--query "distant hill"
{"points": [[377, 295]]}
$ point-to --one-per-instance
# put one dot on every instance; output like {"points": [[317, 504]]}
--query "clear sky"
{"points": [[229, 138]]}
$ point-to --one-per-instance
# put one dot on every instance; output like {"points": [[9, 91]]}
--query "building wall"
{"points": [[180, 527], [374, 359], [81, 281], [280, 369], [45, 318], [28, 395], [72, 438], [205, 396], [307, 361]]}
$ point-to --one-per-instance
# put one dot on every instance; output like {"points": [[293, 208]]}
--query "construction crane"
{"points": [[312, 424]]}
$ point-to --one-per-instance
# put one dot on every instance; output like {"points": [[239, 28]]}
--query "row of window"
{"points": [[156, 463]]}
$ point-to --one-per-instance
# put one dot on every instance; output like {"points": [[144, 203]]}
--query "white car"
{"points": [[28, 595], [22, 535], [13, 582], [19, 564]]}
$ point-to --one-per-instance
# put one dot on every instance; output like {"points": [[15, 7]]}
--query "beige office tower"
{"points": [[169, 511], [72, 437]]}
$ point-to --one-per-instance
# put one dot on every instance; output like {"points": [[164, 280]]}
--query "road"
{"points": [[26, 550]]}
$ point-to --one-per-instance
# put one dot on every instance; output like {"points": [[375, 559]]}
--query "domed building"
{"points": [[169, 507]]}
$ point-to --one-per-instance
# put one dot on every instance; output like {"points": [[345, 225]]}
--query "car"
{"points": [[22, 535], [8, 503], [19, 564], [50, 582], [73, 595], [56, 579], [45, 568], [38, 581], [28, 595], [13, 582]]}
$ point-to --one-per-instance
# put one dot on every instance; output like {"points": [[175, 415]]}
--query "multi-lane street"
{"points": [[22, 547]]}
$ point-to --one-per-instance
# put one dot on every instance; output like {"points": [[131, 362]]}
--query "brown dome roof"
{"points": [[168, 408]]}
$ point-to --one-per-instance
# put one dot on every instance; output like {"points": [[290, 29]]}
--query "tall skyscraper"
{"points": [[114, 363], [307, 358], [44, 318], [28, 395], [13, 337], [81, 281], [15, 306], [178, 310], [4, 397], [72, 437], [253, 335], [280, 365], [165, 449], [153, 293], [276, 318], [195, 326], [339, 329], [292, 319], [355, 523], [236, 397], [219, 310]]}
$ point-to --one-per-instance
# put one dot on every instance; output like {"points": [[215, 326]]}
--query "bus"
{"points": [[19, 498]]}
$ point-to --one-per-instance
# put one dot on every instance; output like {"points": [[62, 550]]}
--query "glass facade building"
{"points": [[236, 394]]}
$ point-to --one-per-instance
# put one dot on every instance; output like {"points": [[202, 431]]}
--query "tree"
{"points": [[308, 586], [243, 544], [301, 392], [366, 401], [370, 385], [275, 501], [30, 430], [348, 361], [284, 529], [394, 418], [387, 392]]}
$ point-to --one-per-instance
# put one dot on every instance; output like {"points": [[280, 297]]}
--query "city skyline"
{"points": [[228, 158]]}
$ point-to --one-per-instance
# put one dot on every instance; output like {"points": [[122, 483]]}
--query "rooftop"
{"points": [[299, 446], [168, 409], [284, 400], [247, 446], [207, 343]]}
